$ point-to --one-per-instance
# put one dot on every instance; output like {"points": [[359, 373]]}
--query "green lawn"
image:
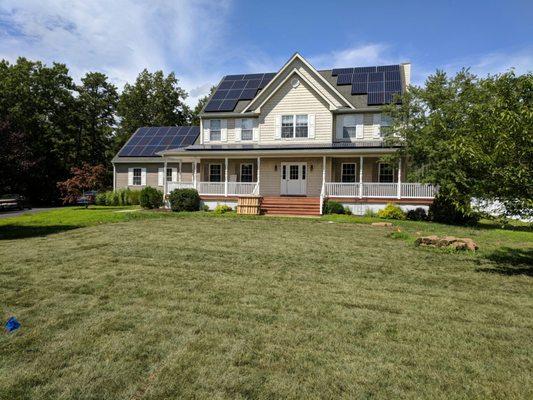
{"points": [[147, 305]]}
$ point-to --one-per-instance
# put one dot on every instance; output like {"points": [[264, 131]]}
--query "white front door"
{"points": [[294, 179]]}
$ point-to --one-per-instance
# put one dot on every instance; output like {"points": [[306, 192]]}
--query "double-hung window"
{"points": [[386, 122], [169, 174], [247, 172], [215, 172], [247, 129], [386, 173], [215, 132], [348, 172], [137, 176], [294, 126], [349, 127]]}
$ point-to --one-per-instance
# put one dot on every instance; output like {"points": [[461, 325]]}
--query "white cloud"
{"points": [[361, 55], [119, 38]]}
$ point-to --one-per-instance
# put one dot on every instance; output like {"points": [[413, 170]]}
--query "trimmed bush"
{"points": [[418, 214], [391, 211], [222, 209], [100, 199], [184, 200], [445, 211], [332, 207], [134, 197], [151, 198]]}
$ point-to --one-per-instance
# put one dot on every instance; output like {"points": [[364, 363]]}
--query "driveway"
{"points": [[15, 213]]}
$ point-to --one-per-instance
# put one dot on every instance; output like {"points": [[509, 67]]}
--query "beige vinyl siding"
{"points": [[370, 169], [270, 184], [299, 100], [152, 171], [310, 76]]}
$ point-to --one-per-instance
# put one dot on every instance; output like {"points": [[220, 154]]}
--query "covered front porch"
{"points": [[343, 177]]}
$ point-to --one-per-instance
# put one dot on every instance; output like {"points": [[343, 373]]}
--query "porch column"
{"points": [[226, 177], [324, 174], [194, 174], [400, 178], [165, 189], [258, 174], [361, 177], [179, 174]]}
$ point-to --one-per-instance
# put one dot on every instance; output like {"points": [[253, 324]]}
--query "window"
{"points": [[284, 172], [137, 176], [348, 172], [215, 172], [215, 133], [169, 174], [349, 127], [386, 173], [301, 126], [293, 171], [294, 126], [386, 122], [287, 126], [247, 129], [247, 172]]}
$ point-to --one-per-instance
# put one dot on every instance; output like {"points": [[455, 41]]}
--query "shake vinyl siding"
{"points": [[299, 100]]}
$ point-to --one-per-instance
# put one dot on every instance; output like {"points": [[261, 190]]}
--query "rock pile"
{"points": [[451, 242]]}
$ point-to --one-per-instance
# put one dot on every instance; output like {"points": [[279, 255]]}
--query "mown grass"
{"points": [[159, 305]]}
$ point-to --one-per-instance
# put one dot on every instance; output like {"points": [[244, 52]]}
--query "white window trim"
{"points": [[143, 177], [221, 172], [359, 127], [355, 170], [240, 171], [293, 137], [211, 131], [379, 172]]}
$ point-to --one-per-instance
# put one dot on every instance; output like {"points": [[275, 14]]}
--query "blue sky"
{"points": [[203, 40]]}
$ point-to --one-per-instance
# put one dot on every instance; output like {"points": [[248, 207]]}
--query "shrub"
{"points": [[332, 207], [370, 213], [111, 198], [134, 197], [100, 199], [205, 208], [446, 211], [347, 211], [151, 198], [391, 211], [222, 209], [184, 200], [418, 214]]}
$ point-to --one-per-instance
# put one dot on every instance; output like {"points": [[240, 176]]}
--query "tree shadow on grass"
{"points": [[10, 232], [510, 261]]}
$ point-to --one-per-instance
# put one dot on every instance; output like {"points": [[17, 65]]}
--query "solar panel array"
{"points": [[147, 141], [234, 88], [380, 83]]}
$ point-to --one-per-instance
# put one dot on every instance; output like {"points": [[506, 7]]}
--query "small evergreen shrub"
{"points": [[391, 211], [184, 200], [100, 199], [445, 211], [222, 209], [332, 207], [151, 198], [418, 214]]}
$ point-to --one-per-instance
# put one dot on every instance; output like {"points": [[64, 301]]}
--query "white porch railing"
{"points": [[211, 188], [380, 190], [179, 185], [241, 188]]}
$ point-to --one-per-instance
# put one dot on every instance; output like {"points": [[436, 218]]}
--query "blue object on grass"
{"points": [[12, 324]]}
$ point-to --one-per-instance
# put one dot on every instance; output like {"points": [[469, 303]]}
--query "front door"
{"points": [[294, 179]]}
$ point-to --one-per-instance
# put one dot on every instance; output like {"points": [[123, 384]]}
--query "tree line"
{"points": [[50, 124]]}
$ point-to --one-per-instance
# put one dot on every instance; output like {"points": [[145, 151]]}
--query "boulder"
{"points": [[387, 224], [447, 241]]}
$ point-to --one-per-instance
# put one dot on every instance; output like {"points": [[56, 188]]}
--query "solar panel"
{"points": [[381, 83], [234, 88], [147, 141]]}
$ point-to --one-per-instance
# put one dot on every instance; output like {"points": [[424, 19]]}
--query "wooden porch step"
{"points": [[290, 205]]}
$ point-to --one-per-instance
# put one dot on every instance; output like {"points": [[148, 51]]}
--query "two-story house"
{"points": [[295, 138]]}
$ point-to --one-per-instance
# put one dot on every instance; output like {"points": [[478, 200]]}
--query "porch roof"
{"points": [[375, 146]]}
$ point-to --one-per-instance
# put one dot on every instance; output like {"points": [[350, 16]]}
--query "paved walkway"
{"points": [[14, 213]]}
